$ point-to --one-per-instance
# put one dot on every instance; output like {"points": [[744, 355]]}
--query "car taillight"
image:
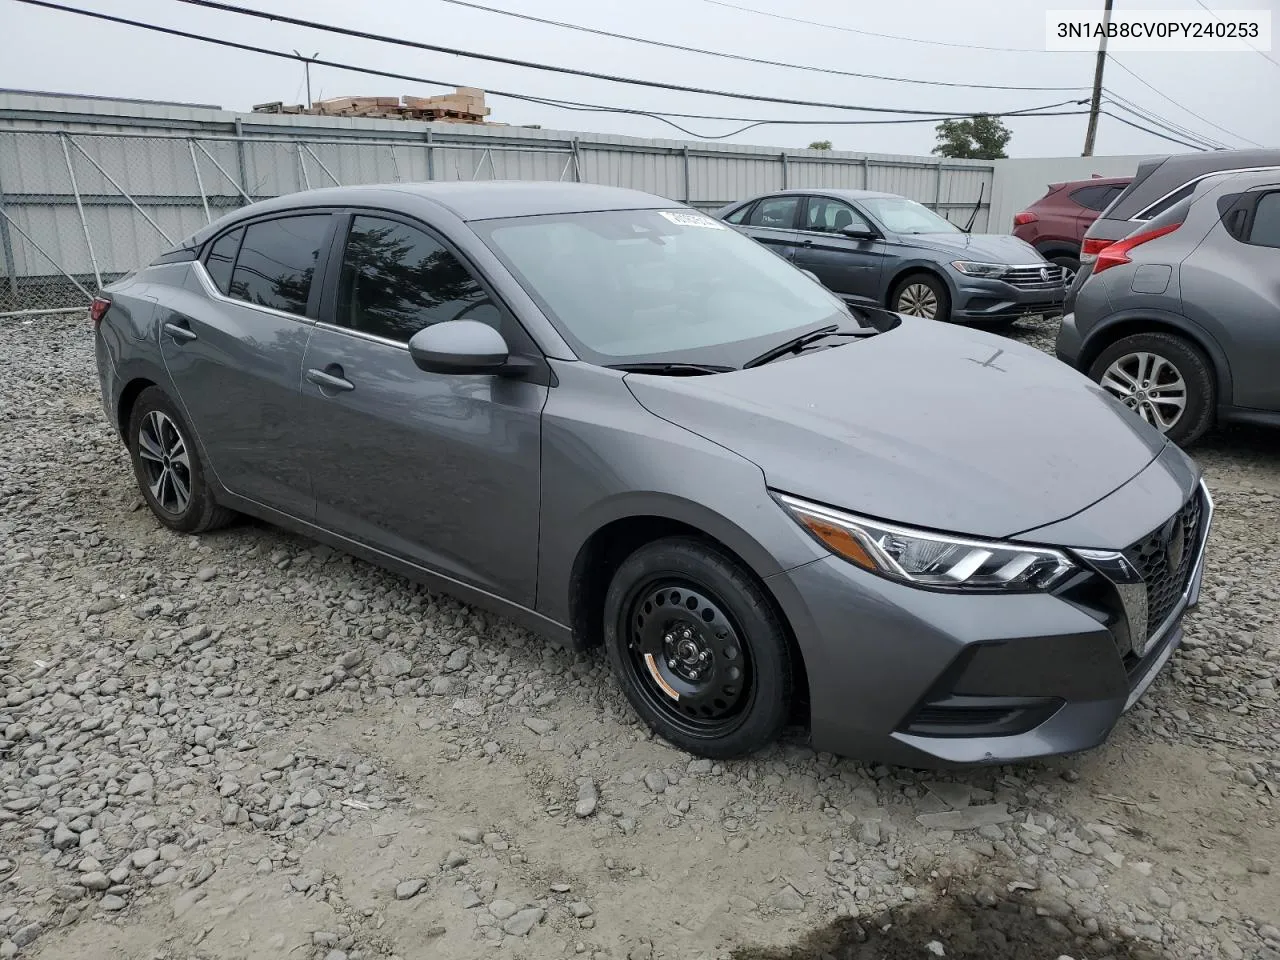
{"points": [[98, 309], [1117, 253], [1019, 219], [1092, 247]]}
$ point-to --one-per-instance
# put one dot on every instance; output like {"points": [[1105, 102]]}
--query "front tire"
{"points": [[1070, 267], [167, 466], [921, 295], [1164, 379], [698, 648]]}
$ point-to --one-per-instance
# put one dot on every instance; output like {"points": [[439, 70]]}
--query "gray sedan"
{"points": [[882, 249], [620, 423]]}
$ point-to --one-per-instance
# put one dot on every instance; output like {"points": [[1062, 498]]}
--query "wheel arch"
{"points": [[1130, 324], [902, 271]]}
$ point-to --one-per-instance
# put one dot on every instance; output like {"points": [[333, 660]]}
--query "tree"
{"points": [[982, 137], [820, 145]]}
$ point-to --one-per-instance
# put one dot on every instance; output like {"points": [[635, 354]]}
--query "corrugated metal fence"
{"points": [[80, 205]]}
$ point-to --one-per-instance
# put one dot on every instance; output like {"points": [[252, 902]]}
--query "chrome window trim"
{"points": [[211, 289], [1145, 212], [361, 335]]}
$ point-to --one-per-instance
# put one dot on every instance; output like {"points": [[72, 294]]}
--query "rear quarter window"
{"points": [[222, 258]]}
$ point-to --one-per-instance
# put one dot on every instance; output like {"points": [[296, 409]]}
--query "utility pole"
{"points": [[1096, 102], [306, 66]]}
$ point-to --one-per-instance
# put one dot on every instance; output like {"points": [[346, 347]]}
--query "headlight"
{"points": [[990, 271], [934, 560]]}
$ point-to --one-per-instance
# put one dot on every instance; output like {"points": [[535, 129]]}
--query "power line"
{"points": [[1164, 96], [1260, 53], [934, 116], [1128, 106], [1154, 133], [743, 58], [869, 33], [534, 65]]}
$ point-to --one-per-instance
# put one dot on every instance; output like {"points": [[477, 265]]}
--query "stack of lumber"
{"points": [[464, 105]]}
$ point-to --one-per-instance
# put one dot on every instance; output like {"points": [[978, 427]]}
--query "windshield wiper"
{"points": [[793, 345], [671, 369]]}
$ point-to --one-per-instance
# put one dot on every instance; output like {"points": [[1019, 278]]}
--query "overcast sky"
{"points": [[47, 50]]}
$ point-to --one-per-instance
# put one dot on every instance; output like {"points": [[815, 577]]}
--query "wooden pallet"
{"points": [[464, 105]]}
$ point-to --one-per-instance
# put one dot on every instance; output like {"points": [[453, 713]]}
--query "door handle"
{"points": [[330, 381], [179, 331], [806, 243]]}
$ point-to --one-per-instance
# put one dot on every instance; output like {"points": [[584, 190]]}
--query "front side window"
{"points": [[277, 262], [222, 257], [901, 215], [776, 212], [397, 279], [631, 285], [831, 216], [739, 215]]}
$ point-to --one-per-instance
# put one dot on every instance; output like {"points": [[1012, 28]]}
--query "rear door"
{"points": [[234, 348], [849, 266], [773, 222]]}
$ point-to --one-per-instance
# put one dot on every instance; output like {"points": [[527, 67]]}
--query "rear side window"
{"points": [[1234, 209], [397, 279], [277, 262], [1176, 197], [776, 212], [1096, 197], [1266, 221], [222, 257]]}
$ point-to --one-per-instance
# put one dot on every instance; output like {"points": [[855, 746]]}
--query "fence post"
{"points": [[204, 199], [687, 188], [84, 223], [244, 170], [302, 165], [937, 189], [431, 157], [784, 169], [577, 160], [6, 248], [123, 192]]}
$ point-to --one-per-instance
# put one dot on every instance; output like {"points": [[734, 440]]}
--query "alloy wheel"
{"points": [[1149, 384], [687, 657], [166, 465], [918, 300]]}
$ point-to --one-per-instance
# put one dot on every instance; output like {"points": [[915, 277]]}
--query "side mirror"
{"points": [[859, 233], [459, 347]]}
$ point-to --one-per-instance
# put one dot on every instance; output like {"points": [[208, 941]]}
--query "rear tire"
{"points": [[1070, 264], [167, 466], [1150, 373], [921, 295], [698, 648]]}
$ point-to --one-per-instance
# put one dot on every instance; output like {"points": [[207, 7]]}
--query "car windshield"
{"points": [[901, 215], [672, 285]]}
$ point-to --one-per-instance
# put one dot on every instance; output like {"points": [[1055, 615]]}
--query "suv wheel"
{"points": [[1070, 267], [698, 649], [921, 295], [167, 466], [1163, 378]]}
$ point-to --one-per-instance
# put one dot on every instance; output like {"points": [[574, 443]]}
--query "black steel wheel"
{"points": [[698, 649]]}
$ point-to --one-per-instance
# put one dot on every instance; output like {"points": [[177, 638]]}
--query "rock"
{"points": [[64, 838], [311, 799], [470, 835], [937, 949], [580, 910], [954, 795], [588, 799], [1260, 866], [1159, 898], [25, 935], [502, 909], [144, 857], [409, 888], [22, 804], [205, 574], [699, 767], [455, 859], [869, 833], [540, 727], [111, 903], [524, 921], [970, 818], [95, 880], [350, 658], [185, 901], [788, 899], [392, 665], [139, 784], [656, 781], [457, 660]]}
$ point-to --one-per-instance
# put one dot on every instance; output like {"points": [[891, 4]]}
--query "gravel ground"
{"points": [[247, 745]]}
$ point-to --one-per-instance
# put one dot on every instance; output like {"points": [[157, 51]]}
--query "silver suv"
{"points": [[1181, 319]]}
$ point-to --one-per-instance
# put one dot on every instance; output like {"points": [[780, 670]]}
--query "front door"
{"points": [[233, 342], [772, 221], [849, 266], [436, 469]]}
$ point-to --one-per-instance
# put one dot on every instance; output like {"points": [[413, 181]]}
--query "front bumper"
{"points": [[929, 679], [1069, 343], [996, 300]]}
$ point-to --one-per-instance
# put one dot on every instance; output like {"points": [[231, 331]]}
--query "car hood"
{"points": [[979, 247], [926, 424]]}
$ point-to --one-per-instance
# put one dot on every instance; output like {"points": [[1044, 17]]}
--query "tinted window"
{"points": [[831, 216], [222, 257], [738, 215], [1094, 198], [277, 262], [1234, 209], [1175, 197], [779, 212], [397, 279], [1266, 221]]}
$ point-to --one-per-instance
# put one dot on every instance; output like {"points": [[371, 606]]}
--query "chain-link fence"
{"points": [[81, 208]]}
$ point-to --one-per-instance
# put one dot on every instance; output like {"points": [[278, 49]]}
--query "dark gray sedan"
{"points": [[620, 423], [886, 250]]}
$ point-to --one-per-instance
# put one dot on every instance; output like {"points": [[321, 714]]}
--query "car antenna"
{"points": [[968, 227]]}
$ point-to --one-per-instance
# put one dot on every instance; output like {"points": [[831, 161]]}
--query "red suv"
{"points": [[1055, 224]]}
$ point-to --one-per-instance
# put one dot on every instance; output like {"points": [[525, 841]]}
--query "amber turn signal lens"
{"points": [[840, 540]]}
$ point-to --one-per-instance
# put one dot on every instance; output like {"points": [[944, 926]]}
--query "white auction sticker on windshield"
{"points": [[691, 219]]}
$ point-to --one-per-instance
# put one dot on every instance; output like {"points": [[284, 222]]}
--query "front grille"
{"points": [[1165, 558], [1044, 277]]}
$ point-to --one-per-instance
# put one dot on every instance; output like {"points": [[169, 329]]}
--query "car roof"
{"points": [[466, 199], [1159, 177], [836, 192]]}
